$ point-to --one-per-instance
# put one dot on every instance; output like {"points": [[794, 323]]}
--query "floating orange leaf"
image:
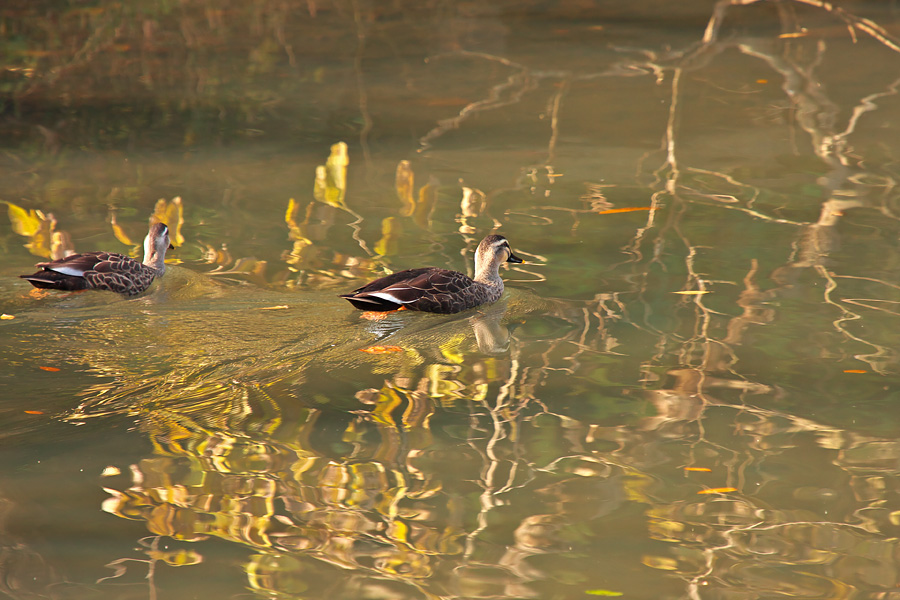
{"points": [[721, 490], [692, 292], [703, 469], [381, 349], [624, 210], [855, 371], [51, 369], [34, 412], [7, 317], [797, 34]]}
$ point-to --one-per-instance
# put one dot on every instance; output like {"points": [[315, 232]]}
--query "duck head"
{"points": [[492, 251], [155, 245]]}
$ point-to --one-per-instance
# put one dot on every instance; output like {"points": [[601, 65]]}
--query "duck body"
{"points": [[106, 270], [431, 289]]}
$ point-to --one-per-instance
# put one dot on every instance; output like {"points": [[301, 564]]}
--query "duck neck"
{"points": [[156, 261], [488, 274], [153, 258]]}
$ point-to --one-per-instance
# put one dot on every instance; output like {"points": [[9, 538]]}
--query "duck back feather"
{"points": [[431, 289], [105, 270]]}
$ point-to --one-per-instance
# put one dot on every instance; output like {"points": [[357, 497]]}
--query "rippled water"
{"points": [[686, 392]]}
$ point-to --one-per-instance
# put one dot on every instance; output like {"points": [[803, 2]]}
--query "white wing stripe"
{"points": [[389, 297], [69, 271]]}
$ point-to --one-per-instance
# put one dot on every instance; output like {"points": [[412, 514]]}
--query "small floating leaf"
{"points": [[381, 349], [608, 593], [692, 292], [51, 369], [855, 371], [613, 211], [703, 469], [721, 490], [6, 317], [34, 412], [279, 307]]}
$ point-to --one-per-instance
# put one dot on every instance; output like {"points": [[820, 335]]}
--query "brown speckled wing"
{"points": [[121, 274], [427, 289], [80, 262], [435, 290]]}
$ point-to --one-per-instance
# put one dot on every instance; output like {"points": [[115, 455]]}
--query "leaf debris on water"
{"points": [[381, 349], [719, 490]]}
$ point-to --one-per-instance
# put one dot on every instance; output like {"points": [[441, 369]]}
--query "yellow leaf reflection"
{"points": [[665, 530], [660, 562], [426, 202], [118, 231], [172, 214], [390, 232], [61, 245], [386, 401], [405, 184], [301, 252], [44, 241], [179, 558], [331, 178], [292, 214], [635, 486], [25, 223]]}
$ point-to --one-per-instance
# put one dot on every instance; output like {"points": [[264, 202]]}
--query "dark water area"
{"points": [[687, 390]]}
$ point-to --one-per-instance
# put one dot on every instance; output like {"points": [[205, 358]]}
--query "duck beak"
{"points": [[513, 258]]}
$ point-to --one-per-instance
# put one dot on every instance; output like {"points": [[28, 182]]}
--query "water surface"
{"points": [[688, 390]]}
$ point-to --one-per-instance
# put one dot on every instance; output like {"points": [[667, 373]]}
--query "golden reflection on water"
{"points": [[686, 391]]}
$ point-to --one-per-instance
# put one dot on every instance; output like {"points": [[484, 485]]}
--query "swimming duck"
{"points": [[107, 270], [431, 289]]}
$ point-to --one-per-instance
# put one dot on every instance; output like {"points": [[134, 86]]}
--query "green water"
{"points": [[687, 391]]}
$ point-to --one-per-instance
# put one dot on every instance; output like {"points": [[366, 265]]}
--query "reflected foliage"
{"points": [[686, 391]]}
